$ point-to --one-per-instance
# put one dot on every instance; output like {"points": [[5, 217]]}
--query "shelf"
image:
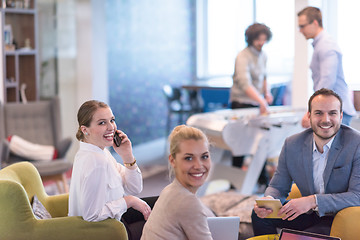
{"points": [[20, 52], [11, 84], [21, 65], [18, 11]]}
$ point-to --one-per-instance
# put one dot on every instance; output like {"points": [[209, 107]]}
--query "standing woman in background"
{"points": [[178, 213], [100, 187]]}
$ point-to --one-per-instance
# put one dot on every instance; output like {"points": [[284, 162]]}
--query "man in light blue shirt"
{"points": [[324, 163], [326, 63]]}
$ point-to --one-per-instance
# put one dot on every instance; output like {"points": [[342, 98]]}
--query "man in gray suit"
{"points": [[324, 162]]}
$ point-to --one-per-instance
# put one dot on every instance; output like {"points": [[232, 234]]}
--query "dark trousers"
{"points": [[238, 161], [305, 222], [134, 220]]}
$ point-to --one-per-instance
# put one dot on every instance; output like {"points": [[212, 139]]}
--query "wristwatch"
{"points": [[316, 209], [130, 164]]}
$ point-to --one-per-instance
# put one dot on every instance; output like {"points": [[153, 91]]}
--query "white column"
{"points": [[302, 83], [2, 75], [92, 82], [82, 59]]}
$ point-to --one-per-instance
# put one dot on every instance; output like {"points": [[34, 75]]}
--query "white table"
{"points": [[245, 132]]}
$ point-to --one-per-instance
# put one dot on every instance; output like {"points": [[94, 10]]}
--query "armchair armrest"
{"points": [[63, 146], [57, 205], [74, 228], [294, 193], [5, 151], [346, 224]]}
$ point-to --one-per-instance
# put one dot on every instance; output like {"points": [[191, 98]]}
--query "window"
{"points": [[221, 35], [227, 21], [347, 36], [280, 49]]}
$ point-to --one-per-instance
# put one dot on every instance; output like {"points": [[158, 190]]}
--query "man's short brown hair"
{"points": [[324, 92], [312, 13]]}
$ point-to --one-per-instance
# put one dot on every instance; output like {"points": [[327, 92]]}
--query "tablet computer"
{"points": [[289, 234], [273, 204]]}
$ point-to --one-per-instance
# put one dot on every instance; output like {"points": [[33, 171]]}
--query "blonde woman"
{"points": [[178, 213]]}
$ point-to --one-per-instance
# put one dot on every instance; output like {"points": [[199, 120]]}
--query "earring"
{"points": [[87, 134]]}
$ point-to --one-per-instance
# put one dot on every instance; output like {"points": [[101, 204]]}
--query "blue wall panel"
{"points": [[150, 43]]}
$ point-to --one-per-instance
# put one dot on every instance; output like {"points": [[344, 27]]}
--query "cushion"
{"points": [[31, 151], [231, 203], [39, 210]]}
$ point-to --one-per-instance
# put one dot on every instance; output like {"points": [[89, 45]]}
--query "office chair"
{"points": [[38, 122], [176, 105]]}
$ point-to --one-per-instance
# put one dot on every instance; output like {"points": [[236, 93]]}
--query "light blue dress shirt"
{"points": [[327, 69], [319, 164]]}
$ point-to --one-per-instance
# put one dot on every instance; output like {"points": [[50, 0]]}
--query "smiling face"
{"points": [[101, 129], [325, 118], [192, 163]]}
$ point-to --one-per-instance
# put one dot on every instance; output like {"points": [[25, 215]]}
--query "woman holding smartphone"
{"points": [[178, 213], [101, 187]]}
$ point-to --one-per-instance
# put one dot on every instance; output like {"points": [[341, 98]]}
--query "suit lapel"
{"points": [[308, 161], [336, 146]]}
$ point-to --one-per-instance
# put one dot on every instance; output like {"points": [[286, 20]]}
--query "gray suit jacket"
{"points": [[341, 175]]}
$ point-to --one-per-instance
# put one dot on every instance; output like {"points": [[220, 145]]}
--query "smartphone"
{"points": [[117, 139]]}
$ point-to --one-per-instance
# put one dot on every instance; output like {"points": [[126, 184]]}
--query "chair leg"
{"points": [[59, 178], [65, 184], [60, 189], [180, 121]]}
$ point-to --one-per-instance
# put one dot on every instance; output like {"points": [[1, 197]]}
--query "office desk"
{"points": [[245, 132], [211, 83], [212, 94]]}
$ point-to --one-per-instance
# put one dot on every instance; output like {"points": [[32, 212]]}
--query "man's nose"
{"points": [[326, 117]]}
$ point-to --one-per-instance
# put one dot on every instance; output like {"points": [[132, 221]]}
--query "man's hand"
{"points": [[296, 207], [264, 107], [262, 212], [269, 98], [305, 122]]}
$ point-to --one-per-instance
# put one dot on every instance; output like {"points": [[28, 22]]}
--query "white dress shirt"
{"points": [[99, 183]]}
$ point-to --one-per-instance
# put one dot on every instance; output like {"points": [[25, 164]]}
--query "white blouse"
{"points": [[99, 183]]}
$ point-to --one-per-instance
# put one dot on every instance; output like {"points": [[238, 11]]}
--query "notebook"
{"points": [[224, 228], [288, 234]]}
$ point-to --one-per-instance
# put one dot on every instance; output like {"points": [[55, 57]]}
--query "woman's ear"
{"points": [[83, 129], [171, 160]]}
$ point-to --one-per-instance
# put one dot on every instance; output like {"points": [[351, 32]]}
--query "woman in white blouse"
{"points": [[101, 187]]}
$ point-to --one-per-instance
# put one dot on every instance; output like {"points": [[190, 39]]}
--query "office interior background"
{"points": [[123, 51]]}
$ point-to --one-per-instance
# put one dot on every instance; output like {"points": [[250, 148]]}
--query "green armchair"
{"points": [[346, 224], [19, 182]]}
